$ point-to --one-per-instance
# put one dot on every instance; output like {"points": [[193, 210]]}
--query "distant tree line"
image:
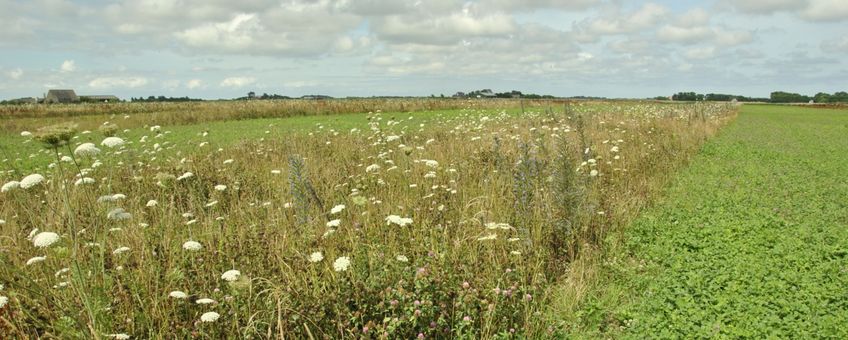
{"points": [[153, 99], [775, 97], [838, 97], [252, 96], [488, 93]]}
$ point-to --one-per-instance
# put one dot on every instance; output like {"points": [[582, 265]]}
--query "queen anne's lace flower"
{"points": [[11, 185], [210, 317], [86, 149], [192, 246], [112, 142], [35, 260], [341, 264], [45, 239], [401, 221], [31, 181], [231, 275], [316, 257]]}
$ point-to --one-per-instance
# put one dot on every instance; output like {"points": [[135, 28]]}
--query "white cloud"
{"points": [[693, 17], [193, 84], [836, 45], [615, 22], [293, 28], [237, 81], [685, 35], [233, 35], [826, 10], [509, 5], [733, 38], [701, 52], [443, 30], [810, 10], [16, 74], [765, 6], [68, 66], [170, 84], [117, 82]]}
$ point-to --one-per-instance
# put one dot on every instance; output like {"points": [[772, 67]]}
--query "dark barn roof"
{"points": [[63, 96], [110, 98]]}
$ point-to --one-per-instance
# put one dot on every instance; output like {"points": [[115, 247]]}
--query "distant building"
{"points": [[100, 98], [61, 96], [25, 100], [316, 97]]}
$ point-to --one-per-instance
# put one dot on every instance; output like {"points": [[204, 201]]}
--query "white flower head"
{"points": [[120, 250], [337, 209], [493, 225], [231, 275], [152, 203], [31, 181], [3, 301], [118, 214], [118, 336], [177, 294], [86, 149], [401, 221], [45, 239], [488, 237], [210, 317], [35, 260], [184, 176], [112, 142], [220, 187], [11, 185], [84, 180], [402, 258], [341, 264], [192, 245], [204, 301], [316, 257], [334, 223]]}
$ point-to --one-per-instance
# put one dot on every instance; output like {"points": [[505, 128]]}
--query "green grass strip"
{"points": [[750, 241]]}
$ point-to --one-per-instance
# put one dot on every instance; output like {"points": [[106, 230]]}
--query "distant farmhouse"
{"points": [[24, 100], [69, 96], [100, 98], [61, 96]]}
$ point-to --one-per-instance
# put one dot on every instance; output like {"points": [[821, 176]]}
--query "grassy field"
{"points": [[452, 224], [18, 154], [751, 240]]}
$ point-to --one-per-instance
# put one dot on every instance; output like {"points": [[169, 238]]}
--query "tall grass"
{"points": [[458, 228]]}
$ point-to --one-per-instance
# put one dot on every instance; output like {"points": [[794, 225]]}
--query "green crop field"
{"points": [[750, 241]]}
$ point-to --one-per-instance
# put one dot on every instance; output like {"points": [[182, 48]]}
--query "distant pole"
{"points": [[522, 105]]}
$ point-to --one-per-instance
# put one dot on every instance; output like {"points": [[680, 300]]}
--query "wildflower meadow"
{"points": [[454, 221]]}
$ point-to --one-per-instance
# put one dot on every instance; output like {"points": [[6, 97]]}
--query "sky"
{"points": [[224, 48]]}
